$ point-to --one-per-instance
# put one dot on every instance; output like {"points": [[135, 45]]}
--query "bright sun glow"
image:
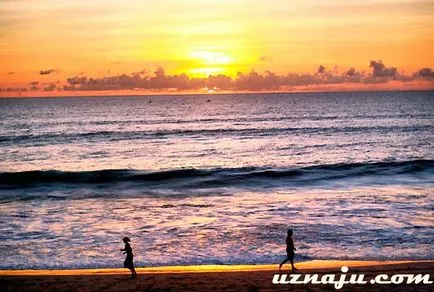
{"points": [[211, 58], [209, 62], [206, 71]]}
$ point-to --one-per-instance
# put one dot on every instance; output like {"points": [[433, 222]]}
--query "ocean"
{"points": [[215, 179]]}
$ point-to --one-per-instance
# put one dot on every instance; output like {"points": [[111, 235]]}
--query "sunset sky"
{"points": [[48, 41]]}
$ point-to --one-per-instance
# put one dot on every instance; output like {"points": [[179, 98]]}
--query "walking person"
{"points": [[128, 263], [290, 251]]}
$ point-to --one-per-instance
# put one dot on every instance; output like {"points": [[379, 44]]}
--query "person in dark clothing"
{"points": [[128, 263], [290, 248]]}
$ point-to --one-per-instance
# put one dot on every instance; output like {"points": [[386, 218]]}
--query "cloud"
{"points": [[321, 69], [142, 72], [425, 73], [49, 87], [352, 72], [14, 89], [220, 82], [251, 81], [49, 71], [159, 80], [256, 81], [11, 73], [42, 86], [380, 70], [34, 86], [77, 80], [117, 82]]}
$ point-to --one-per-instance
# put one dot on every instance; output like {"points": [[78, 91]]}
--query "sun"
{"points": [[207, 71], [209, 63], [211, 58]]}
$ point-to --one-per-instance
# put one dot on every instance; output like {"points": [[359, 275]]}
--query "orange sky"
{"points": [[209, 37]]}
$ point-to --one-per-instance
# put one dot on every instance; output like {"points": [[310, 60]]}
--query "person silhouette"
{"points": [[128, 263], [290, 248]]}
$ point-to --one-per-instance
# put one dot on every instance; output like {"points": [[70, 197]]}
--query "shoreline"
{"points": [[249, 278], [306, 265]]}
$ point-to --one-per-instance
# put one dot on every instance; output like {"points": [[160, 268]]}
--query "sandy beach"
{"points": [[212, 278]]}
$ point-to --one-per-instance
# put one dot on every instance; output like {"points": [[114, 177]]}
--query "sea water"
{"points": [[215, 179]]}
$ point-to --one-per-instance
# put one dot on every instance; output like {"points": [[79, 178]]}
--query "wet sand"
{"points": [[212, 278]]}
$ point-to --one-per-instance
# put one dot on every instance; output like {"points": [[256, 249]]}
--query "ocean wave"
{"points": [[219, 177], [109, 135]]}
